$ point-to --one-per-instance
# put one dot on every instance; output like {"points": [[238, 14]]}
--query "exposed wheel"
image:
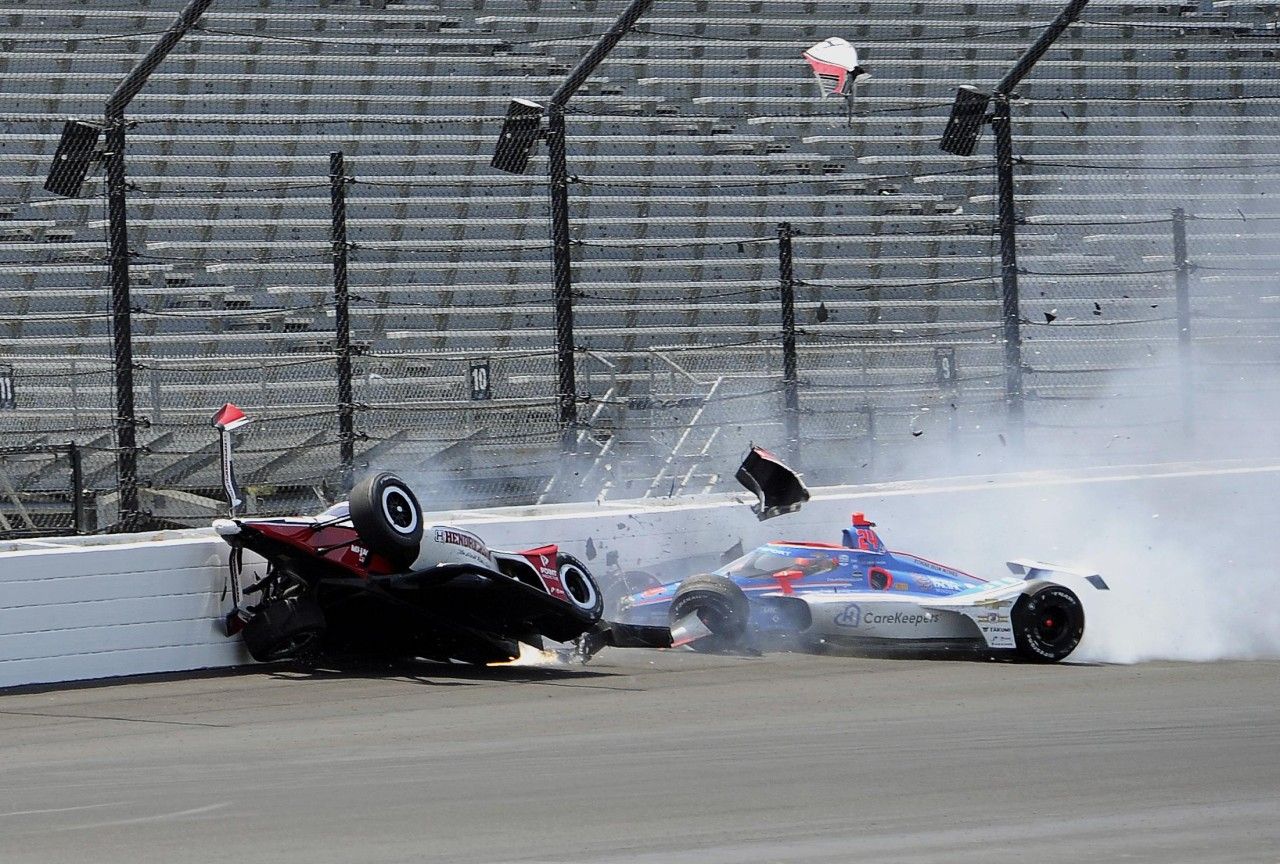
{"points": [[720, 605], [284, 629], [580, 585], [387, 516], [1048, 625]]}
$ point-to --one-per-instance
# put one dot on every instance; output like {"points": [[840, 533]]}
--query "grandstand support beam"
{"points": [[342, 318], [561, 251], [1182, 287], [1007, 222], [790, 375]]}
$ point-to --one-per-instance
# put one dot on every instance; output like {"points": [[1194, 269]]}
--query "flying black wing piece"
{"points": [[777, 486]]}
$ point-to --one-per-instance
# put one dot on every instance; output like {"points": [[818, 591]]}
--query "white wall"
{"points": [[100, 607], [114, 609]]}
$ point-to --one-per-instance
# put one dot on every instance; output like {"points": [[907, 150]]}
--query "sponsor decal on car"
{"points": [[853, 616], [849, 616], [459, 538], [914, 619], [361, 553]]}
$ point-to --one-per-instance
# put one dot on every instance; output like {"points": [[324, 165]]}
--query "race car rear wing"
{"points": [[1029, 569]]}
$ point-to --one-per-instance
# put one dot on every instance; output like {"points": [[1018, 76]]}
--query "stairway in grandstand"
{"points": [[693, 141]]}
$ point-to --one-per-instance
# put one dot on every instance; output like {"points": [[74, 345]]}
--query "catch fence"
{"points": [[697, 154]]}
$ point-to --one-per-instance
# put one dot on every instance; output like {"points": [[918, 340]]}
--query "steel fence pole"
{"points": [[77, 487], [1006, 218], [121, 325], [118, 255], [561, 252], [790, 375], [342, 317], [562, 262]]}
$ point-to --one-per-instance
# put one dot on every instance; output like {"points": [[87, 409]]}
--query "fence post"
{"points": [[77, 487], [790, 379], [342, 317], [1001, 123], [1182, 280], [118, 254], [121, 324], [562, 262]]}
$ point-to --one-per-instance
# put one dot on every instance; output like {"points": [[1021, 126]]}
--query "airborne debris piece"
{"points": [[835, 65], [1050, 317], [861, 595], [777, 487]]}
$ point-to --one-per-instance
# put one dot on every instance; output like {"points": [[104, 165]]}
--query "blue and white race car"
{"points": [[862, 595]]}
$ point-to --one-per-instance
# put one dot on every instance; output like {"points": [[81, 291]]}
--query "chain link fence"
{"points": [[697, 138]]}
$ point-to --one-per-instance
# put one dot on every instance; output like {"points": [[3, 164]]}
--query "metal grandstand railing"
{"points": [[692, 142]]}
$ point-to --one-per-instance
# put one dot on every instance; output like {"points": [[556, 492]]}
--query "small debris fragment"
{"points": [[823, 313], [1050, 317]]}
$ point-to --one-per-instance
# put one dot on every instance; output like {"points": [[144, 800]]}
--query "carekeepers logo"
{"points": [[853, 616], [850, 616]]}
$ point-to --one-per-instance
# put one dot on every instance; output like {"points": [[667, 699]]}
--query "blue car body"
{"points": [[861, 592]]}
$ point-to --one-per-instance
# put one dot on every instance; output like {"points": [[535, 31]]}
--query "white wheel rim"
{"points": [[409, 529], [590, 602]]}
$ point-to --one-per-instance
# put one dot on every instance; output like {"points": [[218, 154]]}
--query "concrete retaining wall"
{"points": [[99, 607]]}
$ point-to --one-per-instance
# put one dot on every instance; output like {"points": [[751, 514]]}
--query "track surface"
{"points": [[653, 757]]}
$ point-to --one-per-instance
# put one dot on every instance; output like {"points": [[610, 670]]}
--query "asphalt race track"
{"points": [[652, 757]]}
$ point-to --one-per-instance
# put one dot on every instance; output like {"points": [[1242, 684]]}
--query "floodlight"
{"points": [[519, 137], [76, 151], [968, 113], [835, 65]]}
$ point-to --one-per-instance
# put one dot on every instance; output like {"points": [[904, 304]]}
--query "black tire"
{"points": [[1048, 625], [284, 630], [584, 593], [387, 516], [720, 605]]}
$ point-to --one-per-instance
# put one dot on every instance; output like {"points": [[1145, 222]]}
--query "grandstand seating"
{"points": [[701, 133]]}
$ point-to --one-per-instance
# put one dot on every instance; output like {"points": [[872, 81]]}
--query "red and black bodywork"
{"points": [[367, 577]]}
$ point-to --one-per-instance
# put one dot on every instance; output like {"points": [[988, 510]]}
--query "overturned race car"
{"points": [[368, 577]]}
